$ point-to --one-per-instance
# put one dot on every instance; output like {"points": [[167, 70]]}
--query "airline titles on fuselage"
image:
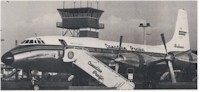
{"points": [[124, 48]]}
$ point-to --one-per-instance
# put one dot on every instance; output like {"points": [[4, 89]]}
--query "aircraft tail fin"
{"points": [[180, 40]]}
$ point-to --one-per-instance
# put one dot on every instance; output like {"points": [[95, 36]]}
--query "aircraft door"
{"points": [[62, 52], [63, 43]]}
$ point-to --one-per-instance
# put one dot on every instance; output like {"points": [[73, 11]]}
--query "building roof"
{"points": [[81, 10]]}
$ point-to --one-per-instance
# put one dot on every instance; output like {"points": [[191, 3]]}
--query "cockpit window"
{"points": [[42, 41], [31, 41], [27, 41], [39, 41], [23, 41]]}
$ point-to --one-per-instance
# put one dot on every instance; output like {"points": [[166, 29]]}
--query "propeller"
{"points": [[119, 56], [169, 59]]}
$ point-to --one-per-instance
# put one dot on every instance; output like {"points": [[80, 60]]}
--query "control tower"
{"points": [[83, 21]]}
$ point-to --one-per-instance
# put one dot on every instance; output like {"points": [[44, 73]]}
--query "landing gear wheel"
{"points": [[36, 87]]}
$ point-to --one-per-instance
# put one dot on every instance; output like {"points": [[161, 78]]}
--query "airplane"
{"points": [[46, 53]]}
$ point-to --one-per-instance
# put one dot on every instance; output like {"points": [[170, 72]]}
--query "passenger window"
{"points": [[31, 41], [35, 41]]}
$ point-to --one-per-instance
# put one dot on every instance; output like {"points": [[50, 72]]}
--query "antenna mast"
{"points": [[63, 4], [74, 4], [87, 3], [80, 3], [97, 4], [91, 4]]}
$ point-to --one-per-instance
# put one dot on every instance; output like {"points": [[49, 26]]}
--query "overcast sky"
{"points": [[22, 19]]}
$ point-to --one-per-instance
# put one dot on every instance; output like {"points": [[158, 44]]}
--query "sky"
{"points": [[22, 19]]}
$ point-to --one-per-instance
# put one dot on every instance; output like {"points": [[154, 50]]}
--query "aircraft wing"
{"points": [[137, 59], [185, 59], [186, 56]]}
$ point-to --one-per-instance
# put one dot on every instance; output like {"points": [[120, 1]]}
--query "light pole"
{"points": [[144, 27]]}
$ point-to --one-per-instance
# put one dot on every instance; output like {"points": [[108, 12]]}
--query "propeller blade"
{"points": [[163, 39], [120, 45], [171, 71], [169, 63]]}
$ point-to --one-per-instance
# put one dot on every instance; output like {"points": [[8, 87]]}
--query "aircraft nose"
{"points": [[7, 58]]}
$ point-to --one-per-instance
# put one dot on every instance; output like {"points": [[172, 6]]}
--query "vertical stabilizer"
{"points": [[180, 40]]}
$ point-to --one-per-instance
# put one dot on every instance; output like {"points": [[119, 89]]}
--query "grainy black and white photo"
{"points": [[98, 45]]}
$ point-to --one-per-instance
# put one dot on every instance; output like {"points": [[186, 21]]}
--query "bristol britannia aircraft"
{"points": [[46, 53]]}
